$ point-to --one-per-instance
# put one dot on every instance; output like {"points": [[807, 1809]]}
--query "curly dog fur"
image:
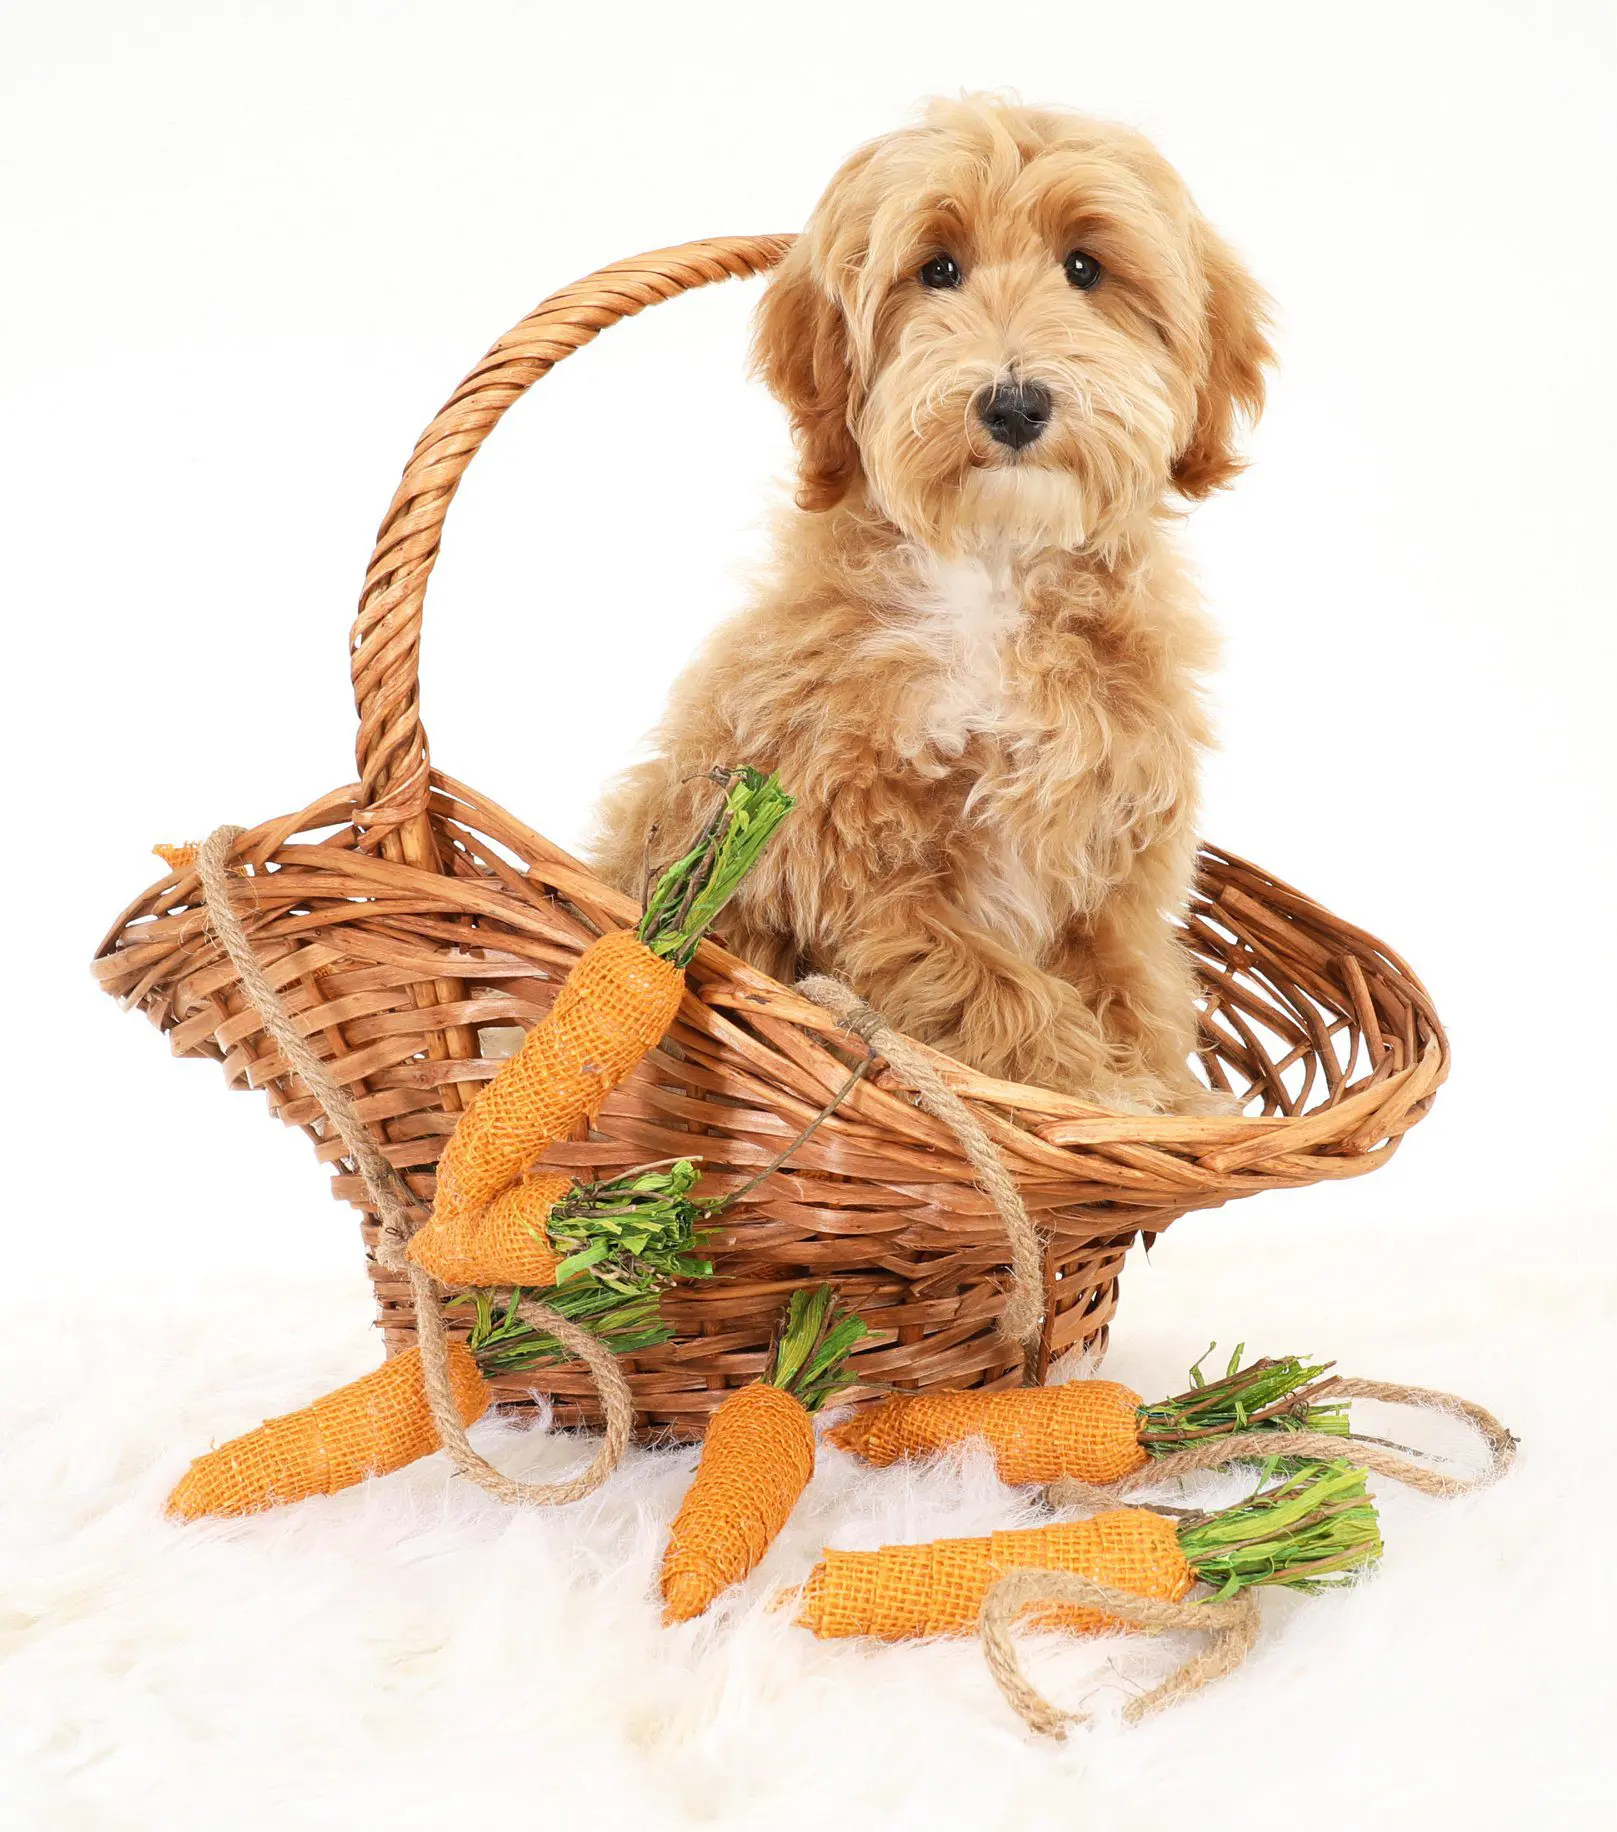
{"points": [[1011, 349]]}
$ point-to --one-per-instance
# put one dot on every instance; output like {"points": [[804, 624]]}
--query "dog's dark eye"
{"points": [[941, 270], [1083, 270]]}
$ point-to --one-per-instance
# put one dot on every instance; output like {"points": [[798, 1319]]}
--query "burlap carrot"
{"points": [[506, 1243], [757, 1457], [373, 1425], [614, 1006], [1311, 1530], [382, 1421], [1092, 1430], [634, 1233]]}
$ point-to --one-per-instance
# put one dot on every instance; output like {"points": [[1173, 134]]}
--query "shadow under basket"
{"points": [[412, 928]]}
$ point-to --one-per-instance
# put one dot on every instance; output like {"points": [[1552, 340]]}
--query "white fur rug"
{"points": [[411, 1655]]}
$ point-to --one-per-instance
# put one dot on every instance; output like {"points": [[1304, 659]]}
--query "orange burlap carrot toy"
{"points": [[1091, 1430], [373, 1425], [757, 1457], [382, 1421], [507, 1243], [612, 1008], [615, 1005], [1312, 1529]]}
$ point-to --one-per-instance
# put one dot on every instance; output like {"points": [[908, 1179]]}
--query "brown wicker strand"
{"points": [[1233, 1626], [1022, 1319], [382, 1183]]}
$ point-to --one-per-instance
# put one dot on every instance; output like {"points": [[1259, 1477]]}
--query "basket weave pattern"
{"points": [[409, 924]]}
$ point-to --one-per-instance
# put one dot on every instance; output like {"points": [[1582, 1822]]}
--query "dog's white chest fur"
{"points": [[957, 625], [957, 631]]}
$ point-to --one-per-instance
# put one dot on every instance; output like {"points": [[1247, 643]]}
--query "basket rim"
{"points": [[723, 982]]}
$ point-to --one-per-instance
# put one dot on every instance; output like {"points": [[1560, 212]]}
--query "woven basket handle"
{"points": [[385, 646]]}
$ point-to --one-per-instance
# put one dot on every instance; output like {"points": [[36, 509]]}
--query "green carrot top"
{"points": [[1274, 1394], [809, 1358], [1314, 1529], [627, 1240], [686, 900]]}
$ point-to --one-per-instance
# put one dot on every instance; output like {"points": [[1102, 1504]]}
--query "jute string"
{"points": [[1260, 1445], [400, 1215], [1233, 1627], [1023, 1315]]}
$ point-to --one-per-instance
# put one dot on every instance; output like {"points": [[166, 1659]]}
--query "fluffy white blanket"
{"points": [[412, 1655]]}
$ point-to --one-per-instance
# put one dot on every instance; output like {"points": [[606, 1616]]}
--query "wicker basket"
{"points": [[409, 924]]}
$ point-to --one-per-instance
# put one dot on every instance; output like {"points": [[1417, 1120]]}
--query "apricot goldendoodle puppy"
{"points": [[1009, 345]]}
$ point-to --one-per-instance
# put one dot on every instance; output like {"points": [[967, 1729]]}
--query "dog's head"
{"points": [[1012, 325]]}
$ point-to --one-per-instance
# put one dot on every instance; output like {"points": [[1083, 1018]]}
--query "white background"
{"points": [[250, 248]]}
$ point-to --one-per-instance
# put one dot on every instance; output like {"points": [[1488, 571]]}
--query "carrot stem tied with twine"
{"points": [[1258, 1444], [1316, 1529], [1098, 1430]]}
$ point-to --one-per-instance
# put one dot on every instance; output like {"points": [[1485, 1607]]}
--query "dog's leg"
{"points": [[1133, 969], [936, 977]]}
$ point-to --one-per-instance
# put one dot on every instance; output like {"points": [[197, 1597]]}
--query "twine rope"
{"points": [[1260, 1445], [400, 1215], [394, 1204], [1023, 1316], [1233, 1627]]}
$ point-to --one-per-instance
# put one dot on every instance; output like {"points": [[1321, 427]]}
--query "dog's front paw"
{"points": [[1207, 1103], [1132, 1101], [1129, 1095]]}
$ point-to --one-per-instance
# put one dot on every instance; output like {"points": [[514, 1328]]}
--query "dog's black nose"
{"points": [[1015, 413]]}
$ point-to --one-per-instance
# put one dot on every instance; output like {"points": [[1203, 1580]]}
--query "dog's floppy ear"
{"points": [[800, 348], [1238, 354]]}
